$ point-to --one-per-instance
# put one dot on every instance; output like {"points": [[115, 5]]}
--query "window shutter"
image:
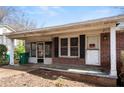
{"points": [[56, 46], [82, 46], [27, 46]]}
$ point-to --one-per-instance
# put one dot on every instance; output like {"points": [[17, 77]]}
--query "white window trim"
{"points": [[69, 49]]}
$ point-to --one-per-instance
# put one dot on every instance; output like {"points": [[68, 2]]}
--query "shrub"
{"points": [[19, 49], [3, 51]]}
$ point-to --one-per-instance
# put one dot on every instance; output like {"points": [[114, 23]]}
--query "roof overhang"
{"points": [[8, 27], [69, 28]]}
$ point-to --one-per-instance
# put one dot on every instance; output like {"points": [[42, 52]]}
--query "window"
{"points": [[74, 46], [64, 47], [33, 49], [48, 49]]}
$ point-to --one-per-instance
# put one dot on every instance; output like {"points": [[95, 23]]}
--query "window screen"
{"points": [[64, 47]]}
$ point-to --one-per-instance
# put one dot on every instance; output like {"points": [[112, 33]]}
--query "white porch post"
{"points": [[11, 52], [4, 40], [113, 70]]}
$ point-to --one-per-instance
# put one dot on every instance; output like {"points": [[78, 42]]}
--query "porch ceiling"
{"points": [[69, 28]]}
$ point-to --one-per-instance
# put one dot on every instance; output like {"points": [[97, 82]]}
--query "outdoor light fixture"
{"points": [[105, 37]]}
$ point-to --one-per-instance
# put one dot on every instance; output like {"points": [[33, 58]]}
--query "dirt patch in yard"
{"points": [[40, 78]]}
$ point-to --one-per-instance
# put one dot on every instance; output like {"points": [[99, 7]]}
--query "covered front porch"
{"points": [[81, 44], [45, 44]]}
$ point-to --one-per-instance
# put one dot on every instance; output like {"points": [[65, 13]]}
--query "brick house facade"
{"points": [[105, 53], [96, 43]]}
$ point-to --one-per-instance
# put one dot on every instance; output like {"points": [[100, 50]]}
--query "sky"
{"points": [[46, 16]]}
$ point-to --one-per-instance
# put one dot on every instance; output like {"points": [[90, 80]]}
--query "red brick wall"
{"points": [[120, 47], [105, 50], [73, 61], [97, 80]]}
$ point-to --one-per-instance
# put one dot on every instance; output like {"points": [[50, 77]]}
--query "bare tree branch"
{"points": [[16, 18]]}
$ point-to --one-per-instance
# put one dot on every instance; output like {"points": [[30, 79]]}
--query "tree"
{"points": [[5, 12], [21, 23], [3, 51], [19, 49], [16, 18]]}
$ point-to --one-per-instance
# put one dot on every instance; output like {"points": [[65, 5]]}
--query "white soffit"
{"points": [[120, 25]]}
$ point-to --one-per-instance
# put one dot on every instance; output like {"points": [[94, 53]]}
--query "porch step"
{"points": [[78, 71], [95, 78], [79, 67]]}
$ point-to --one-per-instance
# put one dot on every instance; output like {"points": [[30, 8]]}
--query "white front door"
{"points": [[44, 52], [92, 50], [40, 52]]}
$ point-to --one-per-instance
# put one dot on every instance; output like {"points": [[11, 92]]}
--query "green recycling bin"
{"points": [[23, 58], [8, 57]]}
